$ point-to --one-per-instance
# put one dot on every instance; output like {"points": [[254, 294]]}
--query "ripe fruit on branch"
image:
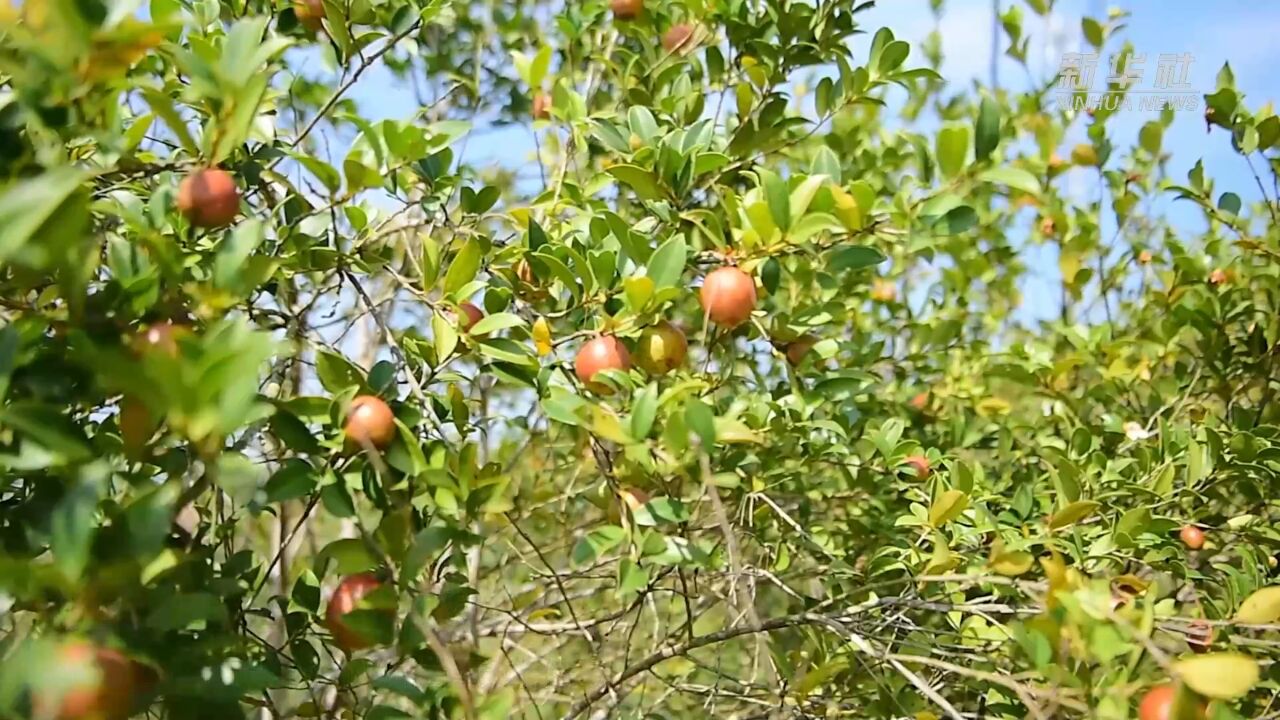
{"points": [[469, 315], [161, 337], [728, 296], [100, 683], [919, 401], [678, 37], [542, 106], [1219, 277], [797, 349], [209, 198], [1145, 257], [309, 13], [1157, 704], [626, 9], [346, 598], [661, 348], [598, 354], [137, 425], [920, 464], [369, 420], [1192, 537]]}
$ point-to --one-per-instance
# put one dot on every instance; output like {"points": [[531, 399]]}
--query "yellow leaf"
{"points": [[1221, 676], [605, 424], [1262, 607], [732, 430], [1072, 514], [947, 507], [1012, 563], [542, 337], [992, 406]]}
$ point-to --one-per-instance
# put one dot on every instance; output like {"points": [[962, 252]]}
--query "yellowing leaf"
{"points": [[992, 406], [1072, 514], [947, 507], [542, 337], [605, 424], [1221, 676], [1012, 563], [732, 430], [1262, 607]]}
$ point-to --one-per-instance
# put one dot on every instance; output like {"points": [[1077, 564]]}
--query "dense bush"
{"points": [[306, 414]]}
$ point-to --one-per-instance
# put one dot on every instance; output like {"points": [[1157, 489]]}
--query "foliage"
{"points": [[943, 509]]}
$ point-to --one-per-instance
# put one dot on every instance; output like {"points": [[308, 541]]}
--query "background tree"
{"points": [[728, 412]]}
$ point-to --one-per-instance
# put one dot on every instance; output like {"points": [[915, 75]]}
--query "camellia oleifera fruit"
{"points": [[209, 198], [597, 355], [1157, 704], [799, 348], [369, 420], [346, 598], [626, 9], [100, 683], [677, 38], [161, 337], [1192, 536], [661, 348], [541, 106], [728, 296], [137, 425], [920, 464], [310, 13]]}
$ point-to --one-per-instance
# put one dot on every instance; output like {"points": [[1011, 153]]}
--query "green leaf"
{"points": [[538, 68], [667, 263], [596, 543], [644, 409], [48, 427], [1221, 676], [643, 182], [1016, 178], [894, 54], [957, 220], [337, 373], [26, 207], [8, 357], [1260, 608], [948, 507], [1229, 203], [701, 420], [464, 267], [776, 197], [498, 321], [952, 149], [162, 105], [294, 479], [855, 257], [1073, 513], [1092, 32], [986, 129], [72, 524], [631, 577], [803, 194]]}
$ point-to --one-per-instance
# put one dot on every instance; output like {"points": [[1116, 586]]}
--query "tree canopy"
{"points": [[724, 404]]}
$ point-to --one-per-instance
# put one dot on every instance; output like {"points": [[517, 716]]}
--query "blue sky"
{"points": [[1242, 32]]}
